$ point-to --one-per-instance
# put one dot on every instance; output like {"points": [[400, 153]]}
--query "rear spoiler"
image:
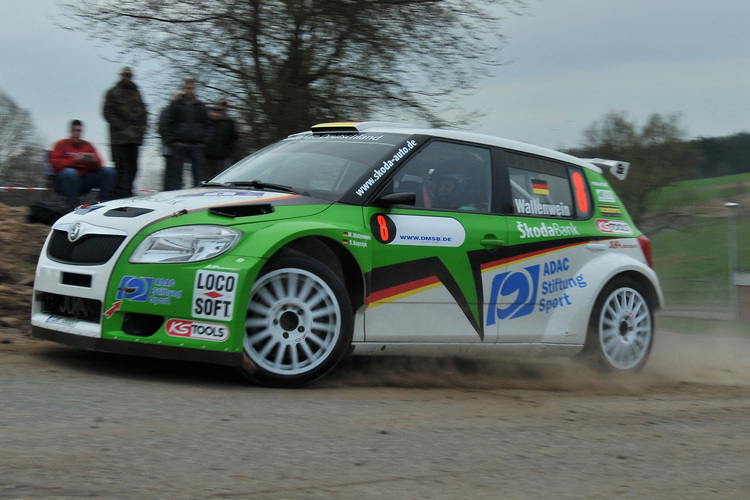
{"points": [[617, 168]]}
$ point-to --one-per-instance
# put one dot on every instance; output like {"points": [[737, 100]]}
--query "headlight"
{"points": [[185, 244]]}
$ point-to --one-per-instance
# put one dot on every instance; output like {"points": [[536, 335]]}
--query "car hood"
{"points": [[132, 214]]}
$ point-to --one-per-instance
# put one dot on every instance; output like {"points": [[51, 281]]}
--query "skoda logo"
{"points": [[75, 232]]}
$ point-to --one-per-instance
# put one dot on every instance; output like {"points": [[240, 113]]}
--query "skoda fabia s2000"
{"points": [[364, 239]]}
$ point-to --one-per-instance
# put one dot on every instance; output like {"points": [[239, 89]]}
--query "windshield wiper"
{"points": [[256, 184]]}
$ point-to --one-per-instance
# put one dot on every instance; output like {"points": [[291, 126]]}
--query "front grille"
{"points": [[90, 249], [89, 310]]}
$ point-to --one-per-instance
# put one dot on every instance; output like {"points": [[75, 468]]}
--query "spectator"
{"points": [[78, 168], [186, 131], [220, 148], [127, 116], [166, 149]]}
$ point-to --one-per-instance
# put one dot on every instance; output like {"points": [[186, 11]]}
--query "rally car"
{"points": [[359, 238]]}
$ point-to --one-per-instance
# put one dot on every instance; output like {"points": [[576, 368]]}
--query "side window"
{"points": [[448, 176], [545, 188]]}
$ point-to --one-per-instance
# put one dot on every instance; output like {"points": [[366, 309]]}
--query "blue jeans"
{"points": [[176, 161], [71, 185], [214, 167]]}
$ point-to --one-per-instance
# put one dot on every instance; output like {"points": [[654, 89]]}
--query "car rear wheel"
{"points": [[298, 326], [621, 328]]}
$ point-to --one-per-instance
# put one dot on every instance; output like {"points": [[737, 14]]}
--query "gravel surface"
{"points": [[81, 424]]}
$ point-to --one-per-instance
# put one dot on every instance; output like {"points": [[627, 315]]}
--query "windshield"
{"points": [[324, 166]]}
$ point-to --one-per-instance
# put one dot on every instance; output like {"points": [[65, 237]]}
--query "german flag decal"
{"points": [[539, 186]]}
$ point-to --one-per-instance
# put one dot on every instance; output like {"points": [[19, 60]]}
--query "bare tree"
{"points": [[21, 153], [287, 64], [659, 153]]}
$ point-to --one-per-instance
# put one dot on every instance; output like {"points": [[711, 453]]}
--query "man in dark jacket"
{"points": [[186, 131], [126, 113], [221, 148]]}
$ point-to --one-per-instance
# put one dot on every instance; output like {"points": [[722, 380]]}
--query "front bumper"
{"points": [[137, 348], [150, 310]]}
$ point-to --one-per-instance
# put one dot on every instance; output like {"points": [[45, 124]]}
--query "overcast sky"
{"points": [[572, 61]]}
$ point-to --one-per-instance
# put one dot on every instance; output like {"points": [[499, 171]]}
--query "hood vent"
{"points": [[243, 210], [127, 212]]}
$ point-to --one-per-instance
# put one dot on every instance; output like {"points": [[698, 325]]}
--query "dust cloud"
{"points": [[675, 359]]}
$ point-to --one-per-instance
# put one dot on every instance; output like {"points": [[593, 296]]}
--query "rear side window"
{"points": [[546, 188]]}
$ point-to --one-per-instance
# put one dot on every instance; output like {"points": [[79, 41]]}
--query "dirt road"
{"points": [[78, 424]]}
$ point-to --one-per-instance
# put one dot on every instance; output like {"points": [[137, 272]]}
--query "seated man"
{"points": [[447, 192], [78, 168]]}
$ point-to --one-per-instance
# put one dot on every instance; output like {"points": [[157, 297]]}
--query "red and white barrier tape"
{"points": [[21, 188]]}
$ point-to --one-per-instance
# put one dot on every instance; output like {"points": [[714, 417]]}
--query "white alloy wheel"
{"points": [[621, 331], [297, 325]]}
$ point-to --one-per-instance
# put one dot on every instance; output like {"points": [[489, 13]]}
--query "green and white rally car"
{"points": [[359, 238]]}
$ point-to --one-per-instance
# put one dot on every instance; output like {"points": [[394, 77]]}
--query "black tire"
{"points": [[621, 328], [298, 326]]}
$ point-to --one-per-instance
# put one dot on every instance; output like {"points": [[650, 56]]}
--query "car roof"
{"points": [[459, 135]]}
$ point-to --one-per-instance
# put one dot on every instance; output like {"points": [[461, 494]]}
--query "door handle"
{"points": [[490, 241]]}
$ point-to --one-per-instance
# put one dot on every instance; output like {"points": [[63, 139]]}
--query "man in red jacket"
{"points": [[78, 168]]}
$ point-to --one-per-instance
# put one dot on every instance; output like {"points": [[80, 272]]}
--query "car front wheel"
{"points": [[621, 328], [298, 326]]}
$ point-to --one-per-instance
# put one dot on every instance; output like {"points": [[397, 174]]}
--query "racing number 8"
{"points": [[582, 199], [383, 228]]}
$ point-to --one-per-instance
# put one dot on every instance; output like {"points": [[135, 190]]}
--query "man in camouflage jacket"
{"points": [[126, 114]]}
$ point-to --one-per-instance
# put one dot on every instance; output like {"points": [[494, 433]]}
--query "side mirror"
{"points": [[398, 198]]}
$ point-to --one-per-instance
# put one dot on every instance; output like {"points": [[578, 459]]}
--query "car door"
{"points": [[543, 283], [429, 259]]}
